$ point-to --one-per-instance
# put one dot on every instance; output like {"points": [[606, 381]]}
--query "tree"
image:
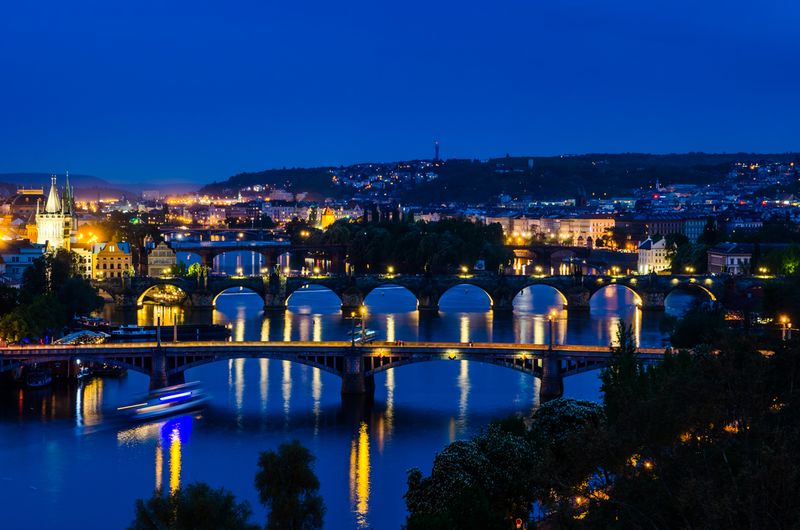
{"points": [[193, 507], [287, 485], [485, 482]]}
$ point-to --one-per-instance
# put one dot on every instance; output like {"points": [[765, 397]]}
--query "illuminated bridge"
{"points": [[166, 364]]}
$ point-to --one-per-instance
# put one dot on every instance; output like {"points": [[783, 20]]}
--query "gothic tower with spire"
{"points": [[56, 226]]}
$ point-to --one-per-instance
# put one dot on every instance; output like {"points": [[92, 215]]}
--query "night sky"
{"points": [[198, 91]]}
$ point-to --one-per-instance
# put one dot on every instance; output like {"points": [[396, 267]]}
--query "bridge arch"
{"points": [[313, 297], [695, 288], [171, 294], [449, 299], [325, 363], [243, 289], [525, 301], [406, 301], [609, 290]]}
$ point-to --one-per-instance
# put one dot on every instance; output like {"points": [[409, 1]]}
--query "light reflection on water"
{"points": [[362, 451]]}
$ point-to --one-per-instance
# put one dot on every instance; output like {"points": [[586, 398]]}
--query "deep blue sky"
{"points": [[153, 90]]}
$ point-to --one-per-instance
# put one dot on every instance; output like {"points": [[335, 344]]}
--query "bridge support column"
{"points": [[158, 370], [428, 301], [552, 386], [354, 381], [578, 299], [202, 300], [653, 300], [274, 303], [159, 378], [351, 302]]}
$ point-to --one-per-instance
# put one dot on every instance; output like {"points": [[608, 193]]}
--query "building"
{"points": [[22, 205], [653, 256], [730, 258], [57, 225], [18, 256], [160, 260], [112, 260], [84, 258], [328, 218]]}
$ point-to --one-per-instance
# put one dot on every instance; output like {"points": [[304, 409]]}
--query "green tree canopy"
{"points": [[194, 507], [287, 485]]}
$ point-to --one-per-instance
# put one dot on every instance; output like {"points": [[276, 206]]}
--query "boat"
{"points": [[164, 402], [131, 331], [363, 336], [38, 378]]}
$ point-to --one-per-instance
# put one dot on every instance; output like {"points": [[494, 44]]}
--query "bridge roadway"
{"points": [[166, 364]]}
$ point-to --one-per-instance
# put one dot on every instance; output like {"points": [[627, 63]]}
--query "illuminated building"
{"points": [[653, 256], [160, 260], [112, 260], [56, 226]]}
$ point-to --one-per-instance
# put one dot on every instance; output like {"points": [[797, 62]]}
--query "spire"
{"points": [[66, 200], [53, 203]]}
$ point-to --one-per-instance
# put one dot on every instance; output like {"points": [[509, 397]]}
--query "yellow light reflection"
{"points": [[390, 328], [286, 386], [91, 412], [463, 387], [239, 387], [464, 328], [287, 327], [304, 326], [159, 464], [238, 327], [174, 460], [386, 421], [265, 330], [317, 328], [359, 475], [316, 395], [263, 369]]}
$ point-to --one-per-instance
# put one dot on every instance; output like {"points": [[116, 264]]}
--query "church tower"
{"points": [[56, 225]]}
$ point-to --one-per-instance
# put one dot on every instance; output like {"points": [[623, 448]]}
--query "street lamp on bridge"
{"points": [[551, 317]]}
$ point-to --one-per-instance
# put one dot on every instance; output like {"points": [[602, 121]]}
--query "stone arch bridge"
{"points": [[577, 291], [355, 365]]}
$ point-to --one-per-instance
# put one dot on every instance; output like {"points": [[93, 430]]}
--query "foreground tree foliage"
{"points": [[52, 292], [707, 439], [287, 485], [193, 507]]}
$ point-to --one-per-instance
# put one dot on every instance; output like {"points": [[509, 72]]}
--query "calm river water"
{"points": [[65, 463]]}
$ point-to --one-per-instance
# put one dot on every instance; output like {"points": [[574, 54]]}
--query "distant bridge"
{"points": [[357, 366], [270, 250], [576, 291]]}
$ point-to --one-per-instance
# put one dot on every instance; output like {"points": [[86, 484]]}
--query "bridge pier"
{"points": [[159, 378], [351, 301], [274, 303], [354, 381], [552, 386], [653, 300], [202, 299], [578, 299]]}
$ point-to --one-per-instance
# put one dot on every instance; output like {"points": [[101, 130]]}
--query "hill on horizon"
{"points": [[541, 177]]}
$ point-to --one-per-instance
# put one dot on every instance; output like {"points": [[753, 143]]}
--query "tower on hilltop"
{"points": [[57, 225]]}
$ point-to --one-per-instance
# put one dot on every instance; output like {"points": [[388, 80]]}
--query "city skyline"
{"points": [[184, 93]]}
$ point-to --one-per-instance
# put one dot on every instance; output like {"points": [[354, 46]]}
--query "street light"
{"points": [[552, 318], [390, 269], [689, 269], [464, 269], [786, 328]]}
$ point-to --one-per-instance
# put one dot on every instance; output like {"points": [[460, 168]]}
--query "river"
{"points": [[66, 463]]}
